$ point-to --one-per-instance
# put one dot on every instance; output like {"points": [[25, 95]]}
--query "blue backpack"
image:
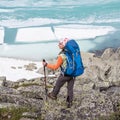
{"points": [[74, 65]]}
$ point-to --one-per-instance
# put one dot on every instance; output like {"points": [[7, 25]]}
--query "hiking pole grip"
{"points": [[44, 68], [44, 60], [45, 63]]}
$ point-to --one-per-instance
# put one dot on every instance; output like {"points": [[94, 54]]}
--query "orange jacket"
{"points": [[57, 64]]}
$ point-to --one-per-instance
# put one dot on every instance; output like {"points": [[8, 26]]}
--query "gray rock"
{"points": [[3, 81], [96, 92], [107, 54]]}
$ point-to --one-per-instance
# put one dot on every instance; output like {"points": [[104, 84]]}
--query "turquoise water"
{"points": [[30, 29]]}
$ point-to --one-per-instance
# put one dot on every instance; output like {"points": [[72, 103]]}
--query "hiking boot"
{"points": [[69, 104], [50, 95]]}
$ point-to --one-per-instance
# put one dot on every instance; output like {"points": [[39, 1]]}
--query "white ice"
{"points": [[14, 69], [36, 34]]}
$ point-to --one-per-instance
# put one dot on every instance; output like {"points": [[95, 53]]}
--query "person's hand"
{"points": [[44, 63]]}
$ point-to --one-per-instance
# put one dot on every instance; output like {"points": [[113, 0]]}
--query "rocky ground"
{"points": [[96, 93]]}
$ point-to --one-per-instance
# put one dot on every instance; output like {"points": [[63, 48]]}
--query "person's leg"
{"points": [[70, 85], [59, 83]]}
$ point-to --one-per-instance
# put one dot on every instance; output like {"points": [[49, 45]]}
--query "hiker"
{"points": [[63, 78]]}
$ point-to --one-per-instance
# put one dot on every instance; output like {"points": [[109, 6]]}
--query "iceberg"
{"points": [[82, 31], [34, 34]]}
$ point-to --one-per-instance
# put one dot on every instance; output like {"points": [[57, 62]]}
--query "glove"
{"points": [[44, 63]]}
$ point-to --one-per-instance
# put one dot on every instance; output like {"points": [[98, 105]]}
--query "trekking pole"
{"points": [[46, 90]]}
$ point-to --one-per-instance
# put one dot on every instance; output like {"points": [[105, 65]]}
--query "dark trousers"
{"points": [[70, 84]]}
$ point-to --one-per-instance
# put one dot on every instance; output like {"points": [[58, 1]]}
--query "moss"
{"points": [[12, 113], [15, 113], [25, 85], [113, 116]]}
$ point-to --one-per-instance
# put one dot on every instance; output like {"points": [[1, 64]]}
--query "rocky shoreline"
{"points": [[96, 93]]}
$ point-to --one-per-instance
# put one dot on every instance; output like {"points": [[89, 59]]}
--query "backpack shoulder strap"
{"points": [[63, 57]]}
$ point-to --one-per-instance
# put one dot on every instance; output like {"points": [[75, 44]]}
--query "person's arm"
{"points": [[56, 65]]}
